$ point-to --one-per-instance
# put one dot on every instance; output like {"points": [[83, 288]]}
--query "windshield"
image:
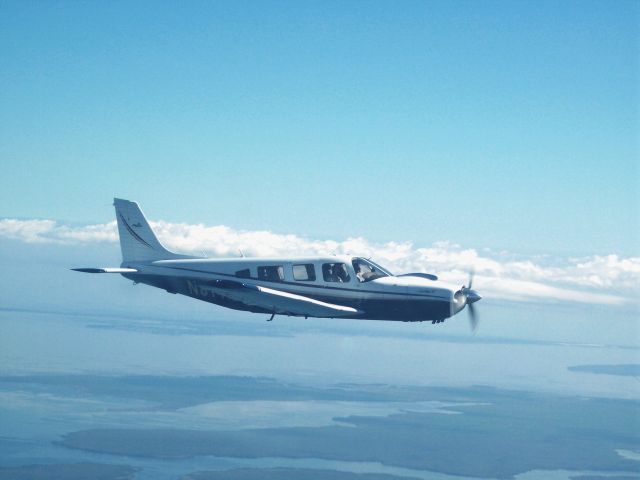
{"points": [[367, 270]]}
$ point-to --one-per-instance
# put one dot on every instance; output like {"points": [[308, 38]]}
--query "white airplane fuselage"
{"points": [[387, 298]]}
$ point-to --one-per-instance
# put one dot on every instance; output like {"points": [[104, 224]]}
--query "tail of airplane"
{"points": [[137, 240]]}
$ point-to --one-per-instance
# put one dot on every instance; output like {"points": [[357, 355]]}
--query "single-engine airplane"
{"points": [[328, 287]]}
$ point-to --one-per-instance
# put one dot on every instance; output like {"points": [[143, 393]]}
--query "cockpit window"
{"points": [[335, 272], [367, 270]]}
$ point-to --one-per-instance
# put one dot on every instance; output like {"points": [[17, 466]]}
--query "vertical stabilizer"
{"points": [[137, 240]]}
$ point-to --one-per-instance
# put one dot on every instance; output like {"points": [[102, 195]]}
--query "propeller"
{"points": [[469, 297], [473, 317]]}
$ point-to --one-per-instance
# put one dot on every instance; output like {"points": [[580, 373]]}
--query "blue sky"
{"points": [[502, 125]]}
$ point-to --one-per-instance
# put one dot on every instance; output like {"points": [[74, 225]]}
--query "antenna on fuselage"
{"points": [[241, 252]]}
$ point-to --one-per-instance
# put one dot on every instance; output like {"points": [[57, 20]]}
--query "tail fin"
{"points": [[137, 240]]}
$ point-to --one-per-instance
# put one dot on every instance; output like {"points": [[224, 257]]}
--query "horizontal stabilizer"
{"points": [[105, 270]]}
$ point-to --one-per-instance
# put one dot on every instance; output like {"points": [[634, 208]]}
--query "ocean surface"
{"points": [[112, 395]]}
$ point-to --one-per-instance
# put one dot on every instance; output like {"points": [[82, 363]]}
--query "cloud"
{"points": [[598, 279], [30, 231]]}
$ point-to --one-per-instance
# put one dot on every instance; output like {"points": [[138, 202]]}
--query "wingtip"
{"points": [[88, 270], [105, 270]]}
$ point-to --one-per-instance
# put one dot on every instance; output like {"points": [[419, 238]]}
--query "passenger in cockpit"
{"points": [[340, 271], [328, 273], [356, 267]]}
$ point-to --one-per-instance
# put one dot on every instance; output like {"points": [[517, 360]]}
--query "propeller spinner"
{"points": [[466, 296]]}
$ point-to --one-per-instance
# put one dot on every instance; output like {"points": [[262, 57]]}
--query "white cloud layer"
{"points": [[597, 279]]}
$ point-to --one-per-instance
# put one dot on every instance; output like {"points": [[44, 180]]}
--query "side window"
{"points": [[304, 272], [246, 273], [272, 273], [335, 272]]}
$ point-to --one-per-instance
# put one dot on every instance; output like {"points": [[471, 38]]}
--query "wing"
{"points": [[277, 301]]}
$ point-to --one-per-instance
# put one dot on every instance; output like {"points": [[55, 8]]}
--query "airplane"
{"points": [[335, 286]]}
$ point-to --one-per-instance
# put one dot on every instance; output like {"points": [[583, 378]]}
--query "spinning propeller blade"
{"points": [[473, 317], [470, 297]]}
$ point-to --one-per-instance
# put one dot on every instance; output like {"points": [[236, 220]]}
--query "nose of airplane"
{"points": [[473, 296], [466, 297]]}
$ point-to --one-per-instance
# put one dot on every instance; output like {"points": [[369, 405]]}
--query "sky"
{"points": [[510, 126], [437, 137]]}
